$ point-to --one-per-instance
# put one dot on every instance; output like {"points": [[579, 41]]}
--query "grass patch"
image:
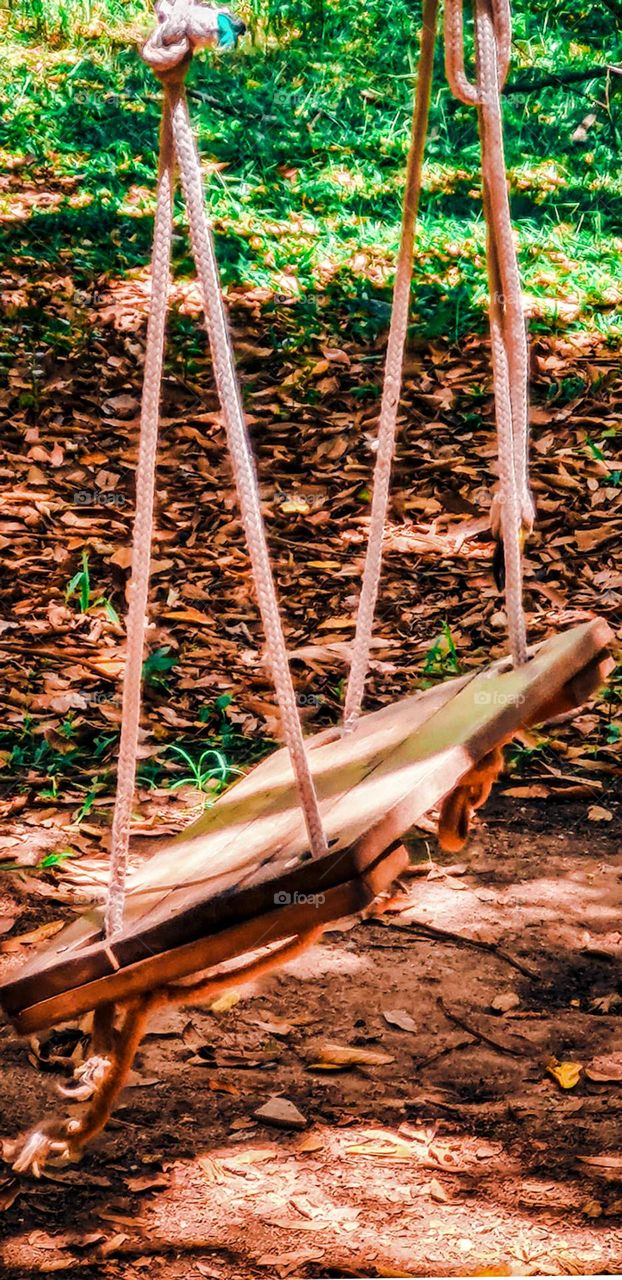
{"points": [[303, 134]]}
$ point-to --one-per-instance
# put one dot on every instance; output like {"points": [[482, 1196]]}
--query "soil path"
{"points": [[460, 1154]]}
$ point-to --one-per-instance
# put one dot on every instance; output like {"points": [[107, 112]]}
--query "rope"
{"points": [[393, 373], [243, 466], [185, 26], [143, 525], [513, 511], [512, 508]]}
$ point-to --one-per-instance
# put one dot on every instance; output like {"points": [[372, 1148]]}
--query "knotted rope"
{"points": [[512, 509], [183, 27]]}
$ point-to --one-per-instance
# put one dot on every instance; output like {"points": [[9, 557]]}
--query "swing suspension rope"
{"points": [[184, 26]]}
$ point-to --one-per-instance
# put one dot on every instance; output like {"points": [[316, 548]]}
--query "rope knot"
{"points": [[185, 26]]}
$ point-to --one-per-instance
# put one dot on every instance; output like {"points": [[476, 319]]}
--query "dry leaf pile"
{"points": [[70, 427]]}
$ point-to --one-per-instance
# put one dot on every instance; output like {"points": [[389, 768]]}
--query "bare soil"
{"points": [[462, 1155]]}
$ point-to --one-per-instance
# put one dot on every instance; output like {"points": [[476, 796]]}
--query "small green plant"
{"points": [[218, 706], [80, 586], [95, 788], [156, 666], [50, 860], [521, 756], [442, 660], [210, 774]]}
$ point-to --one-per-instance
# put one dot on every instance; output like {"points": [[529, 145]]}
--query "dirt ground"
{"points": [[458, 1153]]}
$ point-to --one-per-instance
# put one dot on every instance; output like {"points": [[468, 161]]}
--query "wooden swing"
{"points": [[314, 833]]}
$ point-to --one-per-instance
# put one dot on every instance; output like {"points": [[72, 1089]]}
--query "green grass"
{"points": [[73, 767], [303, 135]]}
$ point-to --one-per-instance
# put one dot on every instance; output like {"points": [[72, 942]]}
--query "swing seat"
{"points": [[241, 877]]}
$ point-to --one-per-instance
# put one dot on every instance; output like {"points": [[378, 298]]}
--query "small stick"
{"points": [[559, 79], [459, 940], [480, 1035]]}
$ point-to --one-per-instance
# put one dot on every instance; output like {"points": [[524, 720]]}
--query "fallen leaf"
{"points": [[596, 813], [437, 1192], [607, 1162], [212, 1169], [313, 1142], [9, 1192], [537, 791], [388, 1148], [399, 1018], [567, 1074], [282, 1264], [34, 937], [147, 1182], [281, 1029], [122, 1219], [282, 1113], [505, 1001], [605, 1069], [338, 1057], [226, 1002], [607, 1003]]}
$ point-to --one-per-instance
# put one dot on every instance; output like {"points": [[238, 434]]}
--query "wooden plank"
{"points": [[239, 845], [373, 785], [288, 921]]}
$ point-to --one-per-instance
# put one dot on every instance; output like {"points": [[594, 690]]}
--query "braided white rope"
{"points": [[393, 373], [508, 333], [143, 523], [459, 82], [513, 507], [507, 328], [243, 465], [184, 27]]}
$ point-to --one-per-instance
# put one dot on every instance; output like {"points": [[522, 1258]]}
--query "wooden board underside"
{"points": [[216, 949], [232, 864]]}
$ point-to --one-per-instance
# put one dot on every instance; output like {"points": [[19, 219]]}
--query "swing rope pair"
{"points": [[184, 26], [512, 512]]}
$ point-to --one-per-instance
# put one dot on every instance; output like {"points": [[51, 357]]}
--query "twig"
{"points": [[481, 1035], [420, 1063], [459, 940], [558, 79]]}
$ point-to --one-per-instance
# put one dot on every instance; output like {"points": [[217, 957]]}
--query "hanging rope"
{"points": [[512, 510], [183, 27], [143, 526], [243, 465], [393, 373]]}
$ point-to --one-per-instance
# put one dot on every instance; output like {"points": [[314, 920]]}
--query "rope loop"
{"points": [[461, 87], [184, 27]]}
